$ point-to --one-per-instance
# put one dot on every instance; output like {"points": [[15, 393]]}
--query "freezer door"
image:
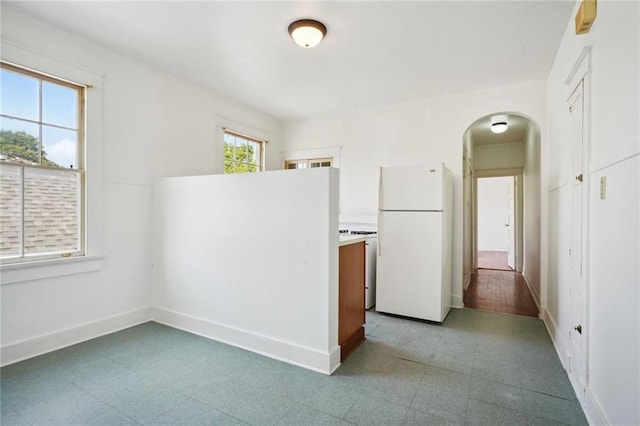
{"points": [[409, 264], [411, 188]]}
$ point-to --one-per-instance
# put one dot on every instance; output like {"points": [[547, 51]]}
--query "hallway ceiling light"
{"points": [[499, 127], [307, 32]]}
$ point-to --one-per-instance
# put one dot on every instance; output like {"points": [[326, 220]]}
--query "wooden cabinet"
{"points": [[351, 315]]}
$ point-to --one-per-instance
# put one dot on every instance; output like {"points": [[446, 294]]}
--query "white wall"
{"points": [[405, 134], [531, 201], [493, 211], [251, 260], [498, 156], [612, 328], [152, 125]]}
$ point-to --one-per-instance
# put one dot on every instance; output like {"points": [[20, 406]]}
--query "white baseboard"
{"points": [[291, 353], [39, 345], [536, 297], [559, 342], [457, 301], [593, 411]]}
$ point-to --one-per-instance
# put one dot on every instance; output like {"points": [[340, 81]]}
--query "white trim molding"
{"points": [[310, 358], [29, 348]]}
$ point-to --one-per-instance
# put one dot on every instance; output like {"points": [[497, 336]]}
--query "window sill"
{"points": [[38, 270]]}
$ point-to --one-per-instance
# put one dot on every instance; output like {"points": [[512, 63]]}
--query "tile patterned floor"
{"points": [[477, 368]]}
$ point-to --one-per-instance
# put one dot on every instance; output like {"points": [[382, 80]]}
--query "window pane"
{"points": [[59, 147], [51, 211], [253, 152], [229, 166], [59, 105], [241, 150], [18, 95], [10, 227], [19, 141]]}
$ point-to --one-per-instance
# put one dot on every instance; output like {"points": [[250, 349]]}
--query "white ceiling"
{"points": [[374, 53]]}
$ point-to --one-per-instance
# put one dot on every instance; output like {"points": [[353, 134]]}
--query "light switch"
{"points": [[603, 187]]}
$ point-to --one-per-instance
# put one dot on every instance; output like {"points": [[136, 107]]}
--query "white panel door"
{"points": [[511, 225], [411, 188], [577, 290], [409, 264]]}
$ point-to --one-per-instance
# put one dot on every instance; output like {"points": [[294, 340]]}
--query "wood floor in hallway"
{"points": [[500, 291], [488, 259]]}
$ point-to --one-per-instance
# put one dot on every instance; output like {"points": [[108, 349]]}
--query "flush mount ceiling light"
{"points": [[499, 127], [307, 32]]}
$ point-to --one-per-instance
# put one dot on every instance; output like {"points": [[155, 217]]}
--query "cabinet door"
{"points": [[351, 312]]}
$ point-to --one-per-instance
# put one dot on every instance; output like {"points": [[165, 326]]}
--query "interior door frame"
{"points": [[580, 74], [517, 173]]}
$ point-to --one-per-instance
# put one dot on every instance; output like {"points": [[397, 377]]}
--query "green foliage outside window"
{"points": [[244, 160], [21, 147]]}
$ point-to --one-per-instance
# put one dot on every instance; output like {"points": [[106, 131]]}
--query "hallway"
{"points": [[500, 291]]}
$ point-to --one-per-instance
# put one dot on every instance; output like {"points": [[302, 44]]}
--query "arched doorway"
{"points": [[514, 153]]}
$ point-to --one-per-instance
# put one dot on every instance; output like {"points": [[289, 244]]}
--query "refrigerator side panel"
{"points": [[409, 264], [411, 188], [447, 242]]}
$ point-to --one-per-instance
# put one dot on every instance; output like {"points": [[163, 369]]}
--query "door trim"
{"points": [[519, 210]]}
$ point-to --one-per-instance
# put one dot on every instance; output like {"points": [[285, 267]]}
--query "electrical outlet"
{"points": [[603, 187]]}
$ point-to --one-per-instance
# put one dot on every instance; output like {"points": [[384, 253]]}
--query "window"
{"points": [[310, 163], [41, 166], [242, 154]]}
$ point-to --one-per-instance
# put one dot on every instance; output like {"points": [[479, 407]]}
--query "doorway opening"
{"points": [[497, 223], [501, 214]]}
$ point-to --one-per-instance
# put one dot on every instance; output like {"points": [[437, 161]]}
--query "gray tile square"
{"points": [[334, 398], [553, 408], [68, 405], [192, 412], [539, 421], [418, 418], [447, 381], [496, 393], [10, 417], [369, 410], [482, 413], [309, 416], [546, 384], [439, 403], [111, 417], [140, 398]]}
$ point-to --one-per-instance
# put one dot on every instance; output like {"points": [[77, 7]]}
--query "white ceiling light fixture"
{"points": [[499, 127], [499, 124], [307, 32]]}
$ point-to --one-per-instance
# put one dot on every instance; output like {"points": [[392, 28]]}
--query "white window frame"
{"points": [[333, 153], [92, 259], [79, 170], [308, 163]]}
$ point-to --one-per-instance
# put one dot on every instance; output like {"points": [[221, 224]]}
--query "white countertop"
{"points": [[346, 239]]}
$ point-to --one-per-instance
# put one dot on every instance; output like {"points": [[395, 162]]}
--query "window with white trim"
{"points": [[242, 154], [42, 175], [308, 163]]}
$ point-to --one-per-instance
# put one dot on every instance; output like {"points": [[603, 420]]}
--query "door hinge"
{"points": [[570, 108]]}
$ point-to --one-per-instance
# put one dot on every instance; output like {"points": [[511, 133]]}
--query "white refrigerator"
{"points": [[415, 247]]}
